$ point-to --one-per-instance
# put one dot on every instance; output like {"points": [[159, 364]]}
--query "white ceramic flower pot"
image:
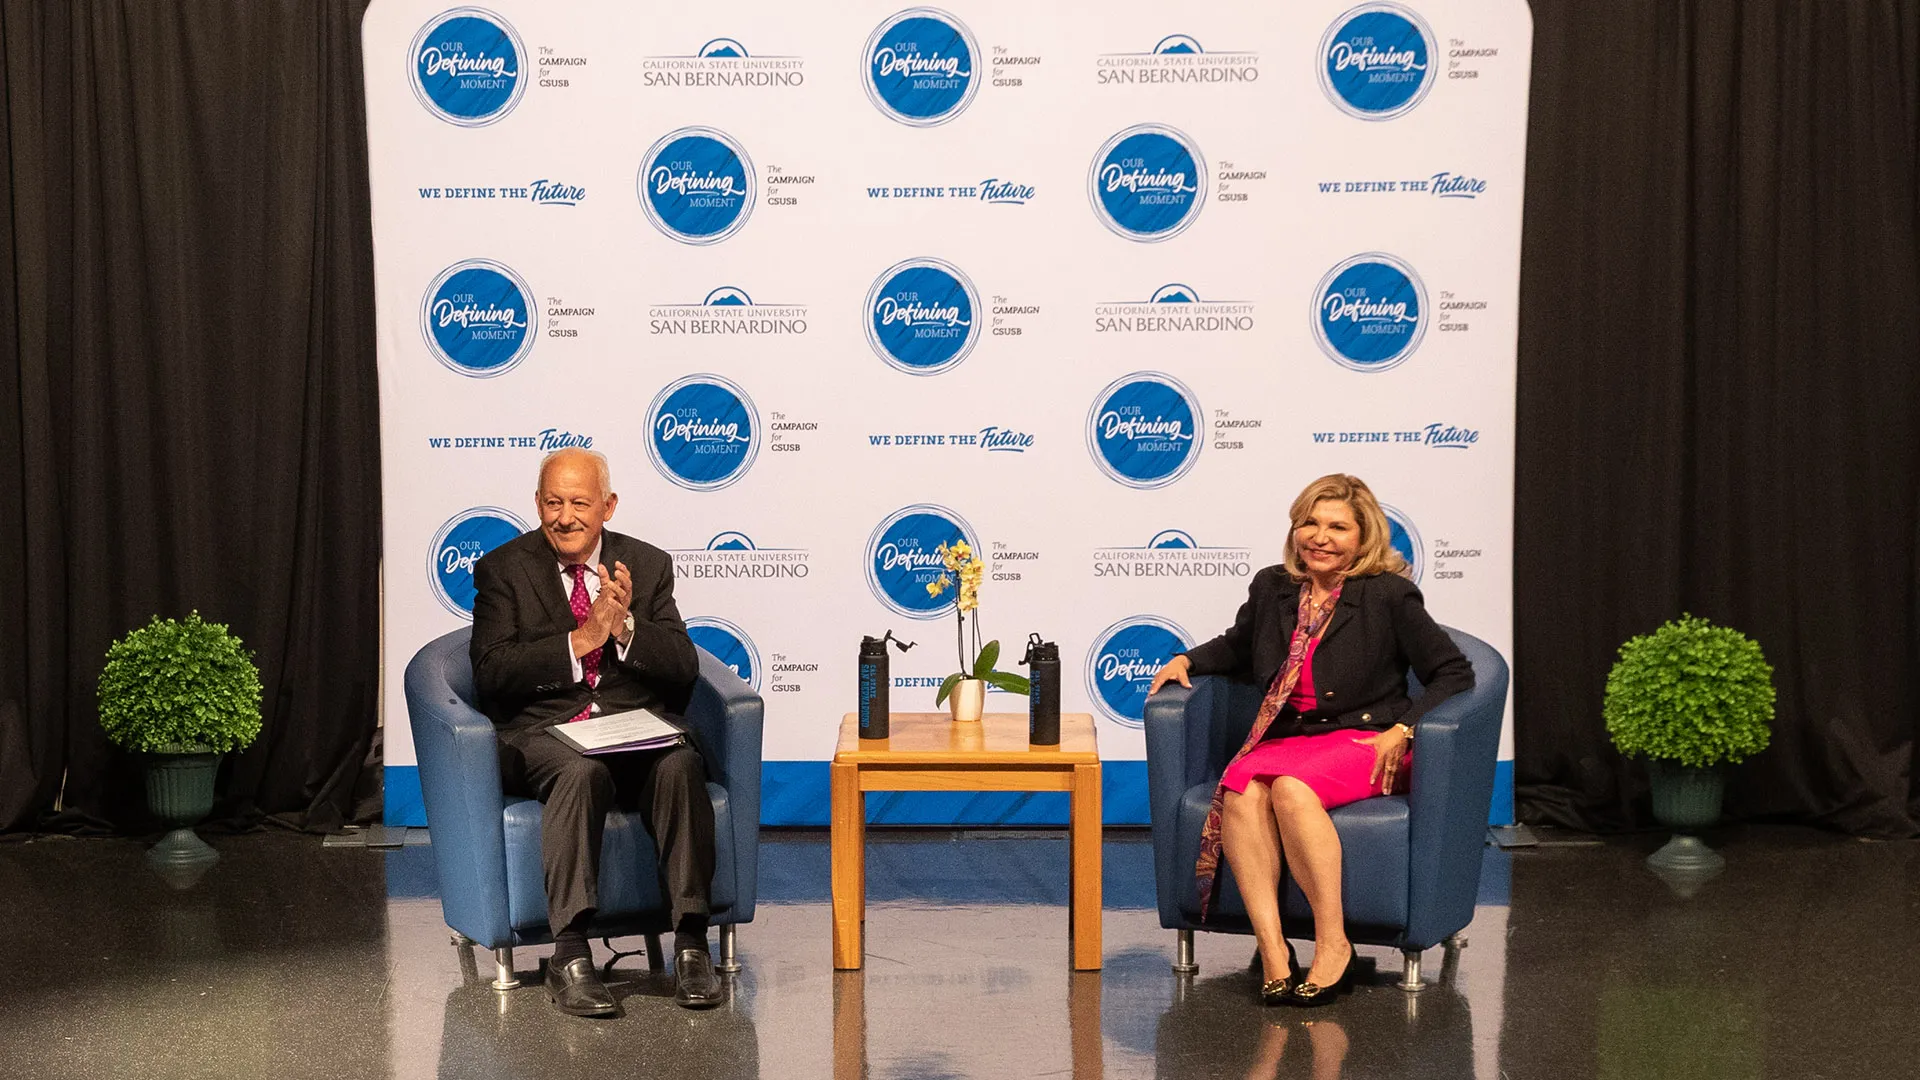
{"points": [[968, 699]]}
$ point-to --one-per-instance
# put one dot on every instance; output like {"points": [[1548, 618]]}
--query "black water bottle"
{"points": [[1043, 691], [875, 706], [874, 679]]}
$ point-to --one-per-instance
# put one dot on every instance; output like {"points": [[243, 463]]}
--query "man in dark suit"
{"points": [[558, 636]]}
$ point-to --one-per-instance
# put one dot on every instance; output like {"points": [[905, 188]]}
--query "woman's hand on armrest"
{"points": [[1174, 671]]}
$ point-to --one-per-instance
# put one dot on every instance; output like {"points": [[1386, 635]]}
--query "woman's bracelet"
{"points": [[1409, 729]]}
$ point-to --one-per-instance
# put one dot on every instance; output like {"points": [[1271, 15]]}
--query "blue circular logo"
{"points": [[921, 316], [1143, 429], [1177, 45], [1148, 183], [1367, 312], [1376, 61], [903, 557], [465, 67], [1123, 660], [729, 644], [697, 185], [722, 48], [1406, 540], [1172, 538], [479, 318], [703, 432], [458, 545], [919, 67]]}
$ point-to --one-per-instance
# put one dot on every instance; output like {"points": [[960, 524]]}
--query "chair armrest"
{"points": [[459, 760], [1166, 733], [1167, 769], [1179, 726], [729, 720], [1448, 803]]}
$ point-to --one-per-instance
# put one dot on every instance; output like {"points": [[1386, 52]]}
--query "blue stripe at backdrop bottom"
{"points": [[795, 793]]}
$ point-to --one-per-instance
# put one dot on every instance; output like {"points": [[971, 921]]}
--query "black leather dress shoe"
{"points": [[575, 989], [695, 986]]}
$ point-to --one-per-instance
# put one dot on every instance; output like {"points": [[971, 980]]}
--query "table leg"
{"points": [[1084, 832], [848, 840]]}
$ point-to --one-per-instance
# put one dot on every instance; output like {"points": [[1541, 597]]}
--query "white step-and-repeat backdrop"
{"points": [[1098, 287]]}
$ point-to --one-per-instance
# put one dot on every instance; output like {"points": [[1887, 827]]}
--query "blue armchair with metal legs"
{"points": [[486, 845], [1411, 865]]}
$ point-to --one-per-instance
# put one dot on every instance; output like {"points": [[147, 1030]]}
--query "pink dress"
{"points": [[1337, 766]]}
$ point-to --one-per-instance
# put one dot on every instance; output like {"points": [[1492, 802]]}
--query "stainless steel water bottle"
{"points": [[1043, 691]]}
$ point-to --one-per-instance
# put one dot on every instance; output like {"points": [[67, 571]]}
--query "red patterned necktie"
{"points": [[582, 605]]}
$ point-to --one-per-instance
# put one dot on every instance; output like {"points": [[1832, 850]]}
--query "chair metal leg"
{"points": [[1410, 972], [503, 976], [1183, 963], [729, 962], [1450, 957], [656, 960], [460, 940]]}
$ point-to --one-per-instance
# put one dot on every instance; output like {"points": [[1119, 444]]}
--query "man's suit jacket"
{"points": [[522, 622], [1380, 628]]}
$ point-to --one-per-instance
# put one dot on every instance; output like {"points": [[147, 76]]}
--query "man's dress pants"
{"points": [[666, 787]]}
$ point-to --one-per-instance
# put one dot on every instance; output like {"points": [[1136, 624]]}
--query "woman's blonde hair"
{"points": [[1375, 555]]}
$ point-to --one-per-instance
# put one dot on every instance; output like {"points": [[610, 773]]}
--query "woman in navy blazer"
{"points": [[1330, 634]]}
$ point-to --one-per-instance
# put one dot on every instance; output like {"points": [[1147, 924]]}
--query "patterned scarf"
{"points": [[1309, 625]]}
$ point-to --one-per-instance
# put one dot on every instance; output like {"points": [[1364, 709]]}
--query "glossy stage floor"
{"points": [[290, 960]]}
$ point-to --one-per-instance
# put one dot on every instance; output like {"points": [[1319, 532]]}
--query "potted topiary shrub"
{"points": [[1689, 697], [180, 693]]}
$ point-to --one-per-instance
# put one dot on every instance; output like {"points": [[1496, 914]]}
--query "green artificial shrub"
{"points": [[178, 685], [1690, 692]]}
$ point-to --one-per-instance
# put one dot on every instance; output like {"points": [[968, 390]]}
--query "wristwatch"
{"points": [[629, 628], [1409, 728]]}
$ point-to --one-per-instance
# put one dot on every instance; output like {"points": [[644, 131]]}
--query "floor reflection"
{"points": [[291, 961], [488, 1035], [853, 1054], [1216, 1028]]}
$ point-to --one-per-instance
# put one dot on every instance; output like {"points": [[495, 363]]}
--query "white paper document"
{"points": [[641, 729]]}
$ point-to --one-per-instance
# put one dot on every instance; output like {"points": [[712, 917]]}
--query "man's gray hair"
{"points": [[600, 467]]}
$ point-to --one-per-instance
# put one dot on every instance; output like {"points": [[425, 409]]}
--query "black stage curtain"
{"points": [[1719, 405], [187, 385]]}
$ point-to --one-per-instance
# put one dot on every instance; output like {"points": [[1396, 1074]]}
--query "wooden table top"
{"points": [[998, 739]]}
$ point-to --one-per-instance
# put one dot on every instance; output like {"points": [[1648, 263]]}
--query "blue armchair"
{"points": [[1411, 868], [486, 846]]}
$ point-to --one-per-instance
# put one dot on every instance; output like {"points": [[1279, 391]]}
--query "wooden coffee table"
{"points": [[929, 752]]}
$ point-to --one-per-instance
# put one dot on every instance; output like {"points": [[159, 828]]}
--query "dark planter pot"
{"points": [[180, 793], [1686, 800]]}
